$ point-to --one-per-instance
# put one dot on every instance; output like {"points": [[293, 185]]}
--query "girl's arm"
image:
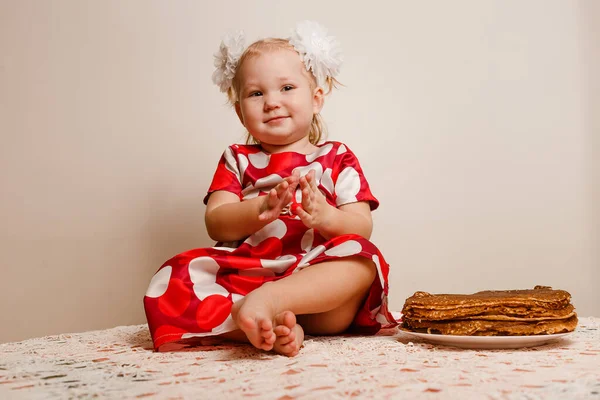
{"points": [[229, 219], [349, 218]]}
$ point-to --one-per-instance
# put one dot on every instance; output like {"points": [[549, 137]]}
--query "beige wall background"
{"points": [[477, 123]]}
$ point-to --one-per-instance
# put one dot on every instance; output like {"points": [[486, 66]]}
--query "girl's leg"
{"points": [[332, 291], [332, 322]]}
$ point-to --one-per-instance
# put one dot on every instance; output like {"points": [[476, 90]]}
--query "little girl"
{"points": [[292, 215]]}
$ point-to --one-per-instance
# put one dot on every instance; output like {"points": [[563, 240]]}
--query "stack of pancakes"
{"points": [[541, 311]]}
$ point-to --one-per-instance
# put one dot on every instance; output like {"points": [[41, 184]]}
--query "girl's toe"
{"points": [[281, 330]]}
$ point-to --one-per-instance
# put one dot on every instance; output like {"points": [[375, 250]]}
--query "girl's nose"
{"points": [[271, 102]]}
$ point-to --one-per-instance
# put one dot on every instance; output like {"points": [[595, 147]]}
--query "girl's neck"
{"points": [[302, 146]]}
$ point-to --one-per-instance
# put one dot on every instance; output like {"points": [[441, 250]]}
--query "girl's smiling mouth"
{"points": [[275, 119]]}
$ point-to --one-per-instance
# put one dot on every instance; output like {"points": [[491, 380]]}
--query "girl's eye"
{"points": [[255, 94], [287, 87]]}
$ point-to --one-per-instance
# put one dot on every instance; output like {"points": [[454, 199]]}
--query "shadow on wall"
{"points": [[175, 224]]}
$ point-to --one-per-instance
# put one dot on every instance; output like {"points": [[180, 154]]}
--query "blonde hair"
{"points": [[318, 130]]}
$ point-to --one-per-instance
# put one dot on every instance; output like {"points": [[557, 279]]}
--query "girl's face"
{"points": [[276, 99]]}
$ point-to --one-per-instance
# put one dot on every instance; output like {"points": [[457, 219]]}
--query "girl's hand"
{"points": [[314, 212], [278, 197]]}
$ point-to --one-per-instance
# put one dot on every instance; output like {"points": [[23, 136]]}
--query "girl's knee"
{"points": [[366, 268]]}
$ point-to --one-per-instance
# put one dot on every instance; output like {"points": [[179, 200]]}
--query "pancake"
{"points": [[492, 312], [541, 310], [492, 328], [540, 296]]}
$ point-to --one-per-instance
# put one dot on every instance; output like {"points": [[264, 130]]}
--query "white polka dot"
{"points": [[227, 326], [236, 297], [349, 248], [160, 282], [378, 265], [250, 192], [347, 186], [307, 240], [341, 150], [316, 166], [243, 164], [268, 182], [326, 181], [279, 265], [382, 319], [298, 196], [203, 274], [231, 164], [276, 229], [321, 152], [259, 160], [310, 256], [203, 270], [229, 249], [203, 291], [374, 312]]}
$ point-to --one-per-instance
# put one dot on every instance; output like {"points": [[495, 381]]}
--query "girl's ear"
{"points": [[318, 100], [238, 111]]}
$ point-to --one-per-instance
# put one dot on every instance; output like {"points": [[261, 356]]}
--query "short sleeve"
{"points": [[227, 176], [350, 184]]}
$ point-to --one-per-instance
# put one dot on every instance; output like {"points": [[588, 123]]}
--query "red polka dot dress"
{"points": [[192, 293]]}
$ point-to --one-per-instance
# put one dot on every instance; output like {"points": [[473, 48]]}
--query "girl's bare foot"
{"points": [[254, 316], [290, 335]]}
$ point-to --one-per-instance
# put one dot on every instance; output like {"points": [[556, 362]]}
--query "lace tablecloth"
{"points": [[119, 363]]}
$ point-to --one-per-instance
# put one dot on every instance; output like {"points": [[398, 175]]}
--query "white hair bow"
{"points": [[321, 53], [227, 58]]}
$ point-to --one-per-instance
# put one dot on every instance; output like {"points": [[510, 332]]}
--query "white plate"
{"points": [[488, 342]]}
